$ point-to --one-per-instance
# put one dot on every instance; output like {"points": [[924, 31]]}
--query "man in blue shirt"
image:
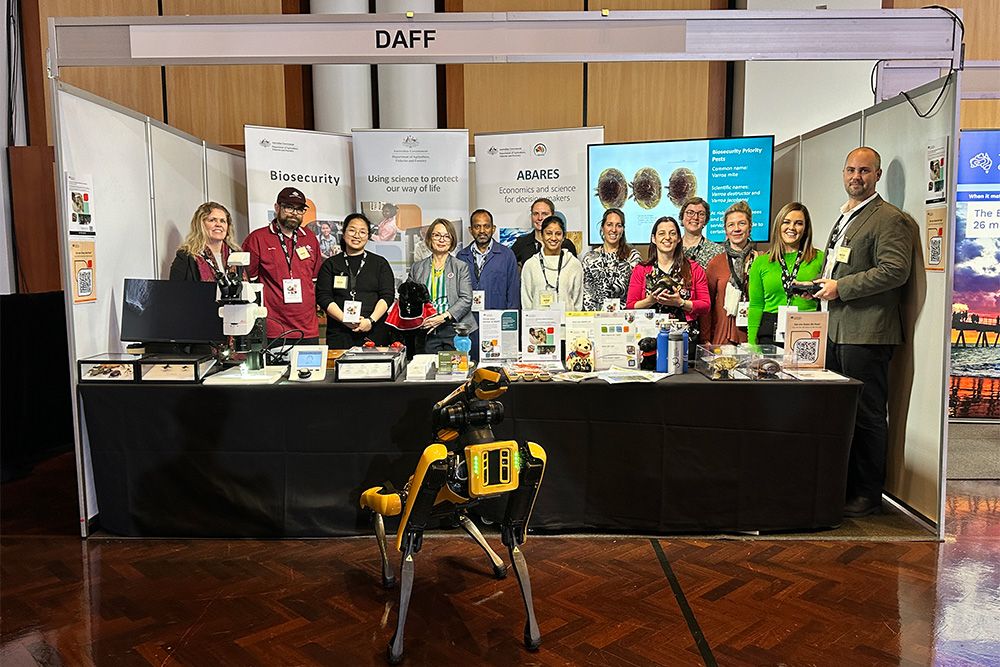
{"points": [[496, 284]]}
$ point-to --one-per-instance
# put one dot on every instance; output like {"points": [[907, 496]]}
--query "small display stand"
{"points": [[723, 362], [109, 367], [176, 368], [370, 364], [770, 362]]}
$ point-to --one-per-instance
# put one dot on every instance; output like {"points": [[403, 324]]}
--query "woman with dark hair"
{"points": [[728, 277], [352, 277], [449, 283], [387, 229], [792, 259], [669, 282], [553, 275], [607, 269], [205, 251]]}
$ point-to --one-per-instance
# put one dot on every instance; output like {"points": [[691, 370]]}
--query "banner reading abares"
{"points": [[516, 168]]}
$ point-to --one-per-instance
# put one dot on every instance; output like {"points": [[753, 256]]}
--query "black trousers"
{"points": [[870, 446]]}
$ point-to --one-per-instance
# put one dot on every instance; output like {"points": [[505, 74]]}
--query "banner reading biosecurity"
{"points": [[514, 169], [405, 180], [317, 163]]}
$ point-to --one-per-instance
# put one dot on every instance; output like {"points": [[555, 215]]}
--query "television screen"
{"points": [[648, 180], [170, 311]]}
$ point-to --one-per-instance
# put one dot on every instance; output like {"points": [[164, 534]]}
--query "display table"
{"points": [[291, 460]]}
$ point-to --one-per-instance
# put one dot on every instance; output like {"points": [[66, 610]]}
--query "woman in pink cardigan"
{"points": [[685, 295]]}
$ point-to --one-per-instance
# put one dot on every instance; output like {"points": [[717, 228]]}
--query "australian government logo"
{"points": [[278, 146], [410, 141]]}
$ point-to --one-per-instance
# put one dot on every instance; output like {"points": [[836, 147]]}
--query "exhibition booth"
{"points": [[685, 454]]}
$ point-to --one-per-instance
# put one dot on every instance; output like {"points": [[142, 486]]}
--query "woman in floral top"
{"points": [[694, 216], [606, 270]]}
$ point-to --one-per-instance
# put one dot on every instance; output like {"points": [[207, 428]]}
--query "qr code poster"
{"points": [[82, 253], [934, 237], [805, 336]]}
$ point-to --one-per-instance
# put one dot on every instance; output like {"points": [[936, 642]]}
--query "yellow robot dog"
{"points": [[447, 483]]}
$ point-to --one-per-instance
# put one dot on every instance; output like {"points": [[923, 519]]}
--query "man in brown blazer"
{"points": [[868, 260]]}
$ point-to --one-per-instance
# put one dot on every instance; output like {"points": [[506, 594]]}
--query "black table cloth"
{"points": [[291, 460]]}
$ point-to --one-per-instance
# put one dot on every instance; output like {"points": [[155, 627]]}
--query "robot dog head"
{"points": [[412, 307], [412, 297]]}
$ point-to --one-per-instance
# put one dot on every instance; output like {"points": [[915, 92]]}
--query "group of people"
{"points": [[858, 277]]}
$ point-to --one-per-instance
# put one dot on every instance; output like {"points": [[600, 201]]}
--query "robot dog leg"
{"points": [[499, 568], [512, 531]]}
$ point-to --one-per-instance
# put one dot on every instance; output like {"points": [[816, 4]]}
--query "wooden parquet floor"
{"points": [[599, 601]]}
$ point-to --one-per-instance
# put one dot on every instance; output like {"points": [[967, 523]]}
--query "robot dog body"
{"points": [[451, 478]]}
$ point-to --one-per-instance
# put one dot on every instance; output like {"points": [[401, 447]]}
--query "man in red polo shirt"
{"points": [[285, 259]]}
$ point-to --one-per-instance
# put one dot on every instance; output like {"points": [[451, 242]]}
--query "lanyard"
{"points": [[209, 257], [353, 276], [743, 272], [558, 270], [788, 278], [479, 269], [284, 249]]}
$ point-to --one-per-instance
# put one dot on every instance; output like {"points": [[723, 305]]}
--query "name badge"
{"points": [[743, 314], [844, 254], [292, 287], [352, 312], [545, 299], [612, 305], [478, 300], [302, 252], [340, 282]]}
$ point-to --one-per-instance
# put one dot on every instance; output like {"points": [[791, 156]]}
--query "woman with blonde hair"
{"points": [[205, 251], [449, 284], [773, 277]]}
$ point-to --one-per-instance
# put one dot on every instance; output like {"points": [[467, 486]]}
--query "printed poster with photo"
{"points": [[513, 169], [80, 198], [541, 335], [498, 335], [317, 163]]}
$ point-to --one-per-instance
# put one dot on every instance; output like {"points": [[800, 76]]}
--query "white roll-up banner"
{"points": [[514, 169], [405, 180], [317, 163]]}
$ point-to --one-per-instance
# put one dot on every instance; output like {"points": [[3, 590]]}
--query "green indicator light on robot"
{"points": [[517, 460], [475, 464]]}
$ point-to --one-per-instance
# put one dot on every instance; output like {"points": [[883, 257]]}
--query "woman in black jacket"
{"points": [[205, 251], [355, 288]]}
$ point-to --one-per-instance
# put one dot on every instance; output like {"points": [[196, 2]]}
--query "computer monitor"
{"points": [[650, 179], [170, 311]]}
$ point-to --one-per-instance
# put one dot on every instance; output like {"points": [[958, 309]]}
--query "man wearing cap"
{"points": [[285, 258]]}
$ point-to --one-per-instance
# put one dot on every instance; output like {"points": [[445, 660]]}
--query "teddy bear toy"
{"points": [[647, 347]]}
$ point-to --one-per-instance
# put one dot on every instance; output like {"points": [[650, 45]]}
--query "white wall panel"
{"points": [[178, 189]]}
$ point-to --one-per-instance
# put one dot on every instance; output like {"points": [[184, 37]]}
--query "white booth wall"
{"points": [[809, 168], [147, 180], [789, 98]]}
